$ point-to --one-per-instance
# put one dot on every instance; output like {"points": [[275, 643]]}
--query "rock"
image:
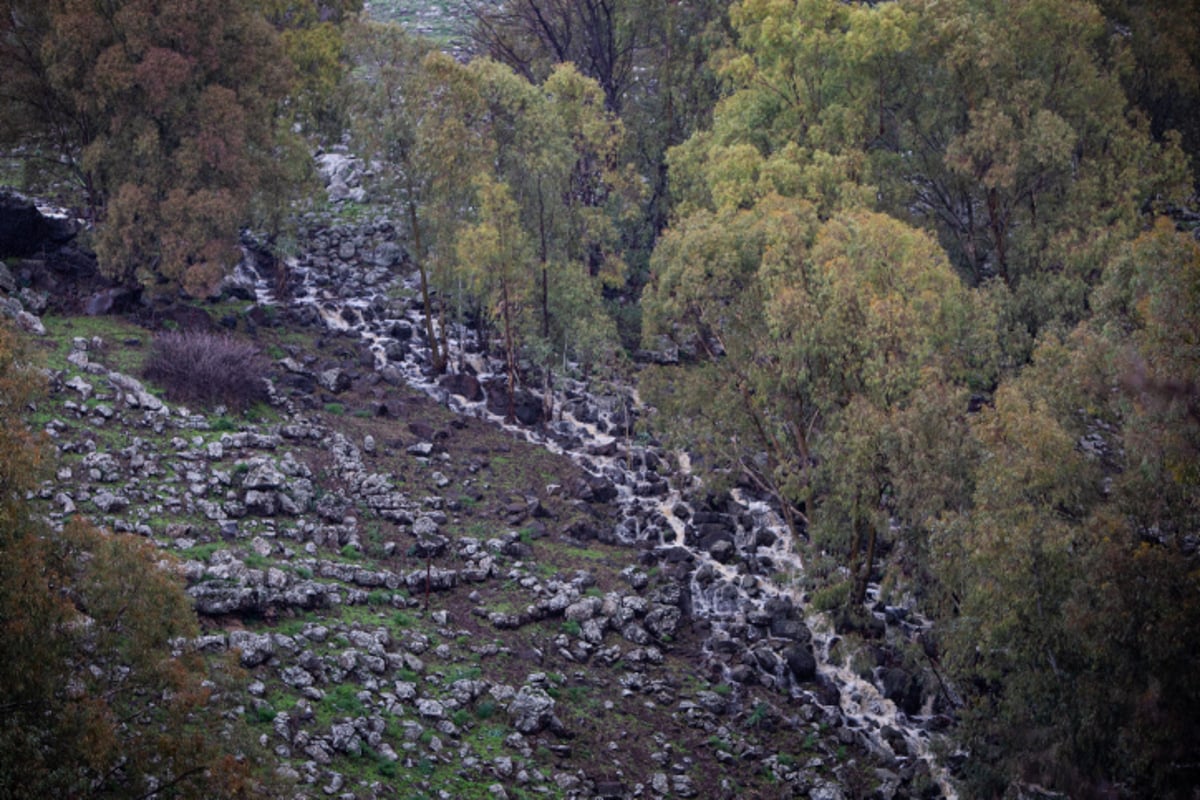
{"points": [[463, 384], [84, 388], [532, 710], [109, 301], [712, 702], [527, 407], [663, 621], [801, 662], [659, 783], [30, 324], [263, 475], [107, 502], [825, 790], [24, 230], [431, 709], [136, 395], [261, 503], [344, 738], [682, 784], [297, 677], [217, 598], [902, 689], [256, 648], [723, 551], [335, 380]]}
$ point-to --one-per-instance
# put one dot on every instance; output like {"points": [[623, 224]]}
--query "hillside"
{"points": [[428, 603]]}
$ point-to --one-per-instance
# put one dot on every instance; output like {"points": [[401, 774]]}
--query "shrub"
{"points": [[207, 369]]}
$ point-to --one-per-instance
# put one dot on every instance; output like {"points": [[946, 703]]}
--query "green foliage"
{"points": [[164, 113], [1070, 566], [343, 699], [96, 701]]}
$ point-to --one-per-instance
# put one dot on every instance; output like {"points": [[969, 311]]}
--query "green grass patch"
{"points": [[202, 552], [343, 699]]}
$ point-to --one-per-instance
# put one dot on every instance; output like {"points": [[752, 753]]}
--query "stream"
{"points": [[736, 588]]}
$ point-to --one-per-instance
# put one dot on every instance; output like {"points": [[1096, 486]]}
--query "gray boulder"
{"points": [[256, 648], [532, 710]]}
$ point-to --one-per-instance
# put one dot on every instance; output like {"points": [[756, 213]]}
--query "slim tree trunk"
{"points": [[509, 354], [438, 359]]}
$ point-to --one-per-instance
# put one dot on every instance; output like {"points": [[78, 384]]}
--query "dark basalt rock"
{"points": [[25, 231], [463, 384]]}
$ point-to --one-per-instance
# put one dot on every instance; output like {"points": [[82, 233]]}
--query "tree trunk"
{"points": [[439, 363], [509, 354]]}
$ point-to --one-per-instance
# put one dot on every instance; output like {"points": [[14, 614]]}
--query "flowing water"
{"points": [[725, 592]]}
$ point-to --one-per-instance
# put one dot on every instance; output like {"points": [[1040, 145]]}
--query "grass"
{"points": [[114, 331], [342, 700], [202, 552], [444, 21]]}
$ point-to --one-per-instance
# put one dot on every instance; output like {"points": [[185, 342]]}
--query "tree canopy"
{"points": [[99, 693]]}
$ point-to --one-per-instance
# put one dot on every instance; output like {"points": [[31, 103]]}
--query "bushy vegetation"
{"points": [[207, 369], [95, 699], [925, 264]]}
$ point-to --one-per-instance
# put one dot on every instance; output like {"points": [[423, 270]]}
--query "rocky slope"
{"points": [[430, 604]]}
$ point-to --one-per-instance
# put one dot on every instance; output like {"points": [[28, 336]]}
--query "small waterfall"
{"points": [[727, 592]]}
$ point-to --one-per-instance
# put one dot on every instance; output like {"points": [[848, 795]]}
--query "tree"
{"points": [[600, 37], [557, 149], [1075, 564], [165, 114], [421, 114], [99, 695], [726, 403], [1014, 141], [650, 61], [1159, 63], [312, 36], [877, 325], [497, 251]]}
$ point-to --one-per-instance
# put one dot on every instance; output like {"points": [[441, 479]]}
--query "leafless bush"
{"points": [[207, 369]]}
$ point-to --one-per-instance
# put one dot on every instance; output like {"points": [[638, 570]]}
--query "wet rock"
{"points": [[902, 689], [663, 621], [24, 230], [463, 384], [801, 662], [723, 551]]}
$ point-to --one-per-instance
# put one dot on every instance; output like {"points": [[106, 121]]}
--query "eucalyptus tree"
{"points": [[1015, 142], [556, 148], [164, 113], [1074, 569], [420, 115], [497, 253]]}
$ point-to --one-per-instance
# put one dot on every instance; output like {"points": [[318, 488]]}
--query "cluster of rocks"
{"points": [[724, 554], [42, 268], [314, 540]]}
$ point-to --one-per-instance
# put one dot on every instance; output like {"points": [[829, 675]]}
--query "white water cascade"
{"points": [[733, 594]]}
